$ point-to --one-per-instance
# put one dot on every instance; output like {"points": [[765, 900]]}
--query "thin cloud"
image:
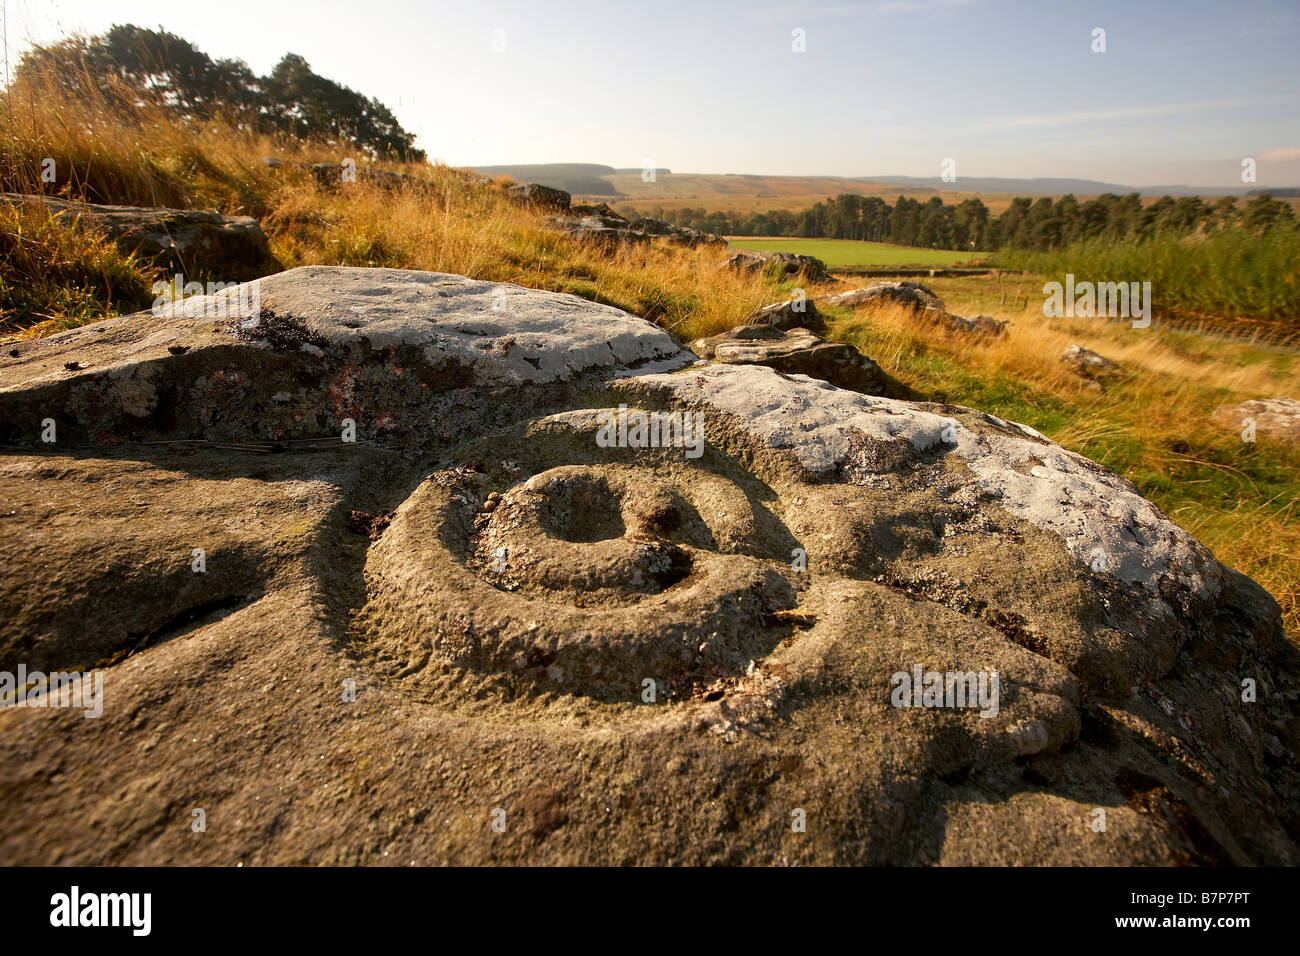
{"points": [[875, 8], [1284, 154], [916, 6], [1075, 117]]}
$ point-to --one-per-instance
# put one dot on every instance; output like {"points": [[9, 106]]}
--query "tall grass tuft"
{"points": [[1245, 276], [55, 276]]}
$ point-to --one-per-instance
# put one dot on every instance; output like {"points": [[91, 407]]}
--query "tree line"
{"points": [[130, 66], [1028, 223]]}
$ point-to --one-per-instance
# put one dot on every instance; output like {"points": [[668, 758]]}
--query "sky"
{"points": [[1183, 92]]}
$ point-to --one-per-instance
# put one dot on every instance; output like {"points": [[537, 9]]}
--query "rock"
{"points": [[682, 235], [602, 209], [339, 174], [978, 324], [810, 267], [920, 301], [383, 347], [539, 196], [743, 610], [1277, 418], [910, 295], [602, 225], [797, 351], [608, 231], [1088, 363], [186, 241], [791, 314]]}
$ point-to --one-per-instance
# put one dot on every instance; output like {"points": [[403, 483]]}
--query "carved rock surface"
{"points": [[642, 651]]}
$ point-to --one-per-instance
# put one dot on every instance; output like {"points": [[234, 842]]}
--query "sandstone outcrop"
{"points": [[909, 295], [787, 263], [977, 324], [603, 225], [1088, 361], [791, 314], [796, 351], [629, 644], [540, 197], [1090, 365], [191, 242]]}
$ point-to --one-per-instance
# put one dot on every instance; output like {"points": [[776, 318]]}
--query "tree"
{"points": [[1264, 211], [972, 224], [130, 65], [1011, 224]]}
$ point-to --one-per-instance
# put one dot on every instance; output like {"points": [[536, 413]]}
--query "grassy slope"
{"points": [[1152, 426], [851, 254]]}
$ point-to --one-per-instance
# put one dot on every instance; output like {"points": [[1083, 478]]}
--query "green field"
{"points": [[852, 254]]}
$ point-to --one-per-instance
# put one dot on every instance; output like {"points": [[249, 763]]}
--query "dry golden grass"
{"points": [[142, 156], [477, 232], [53, 277]]}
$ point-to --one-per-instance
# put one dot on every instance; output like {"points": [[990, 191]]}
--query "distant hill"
{"points": [[738, 192]]}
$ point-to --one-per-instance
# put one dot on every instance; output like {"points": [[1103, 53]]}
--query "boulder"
{"points": [[682, 235], [540, 197], [977, 324], [707, 616], [610, 231], [910, 295], [796, 351], [602, 225], [810, 267], [191, 242], [920, 301], [1088, 363], [1277, 418], [791, 314], [324, 344], [602, 209]]}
